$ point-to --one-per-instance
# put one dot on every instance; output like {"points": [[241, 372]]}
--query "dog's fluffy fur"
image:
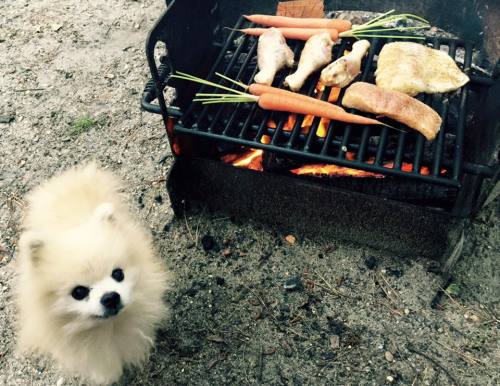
{"points": [[77, 231]]}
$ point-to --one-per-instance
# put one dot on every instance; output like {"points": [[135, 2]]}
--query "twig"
{"points": [[410, 348], [217, 360], [275, 321], [486, 310], [158, 371], [386, 282], [436, 300], [197, 230], [187, 226], [327, 286], [452, 299], [221, 219], [394, 311], [157, 181], [296, 319], [29, 89], [469, 359], [387, 294], [109, 29], [261, 365]]}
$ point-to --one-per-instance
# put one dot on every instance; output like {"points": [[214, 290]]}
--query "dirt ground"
{"points": [[72, 74]]}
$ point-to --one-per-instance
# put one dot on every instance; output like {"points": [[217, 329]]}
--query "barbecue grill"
{"points": [[457, 161]]}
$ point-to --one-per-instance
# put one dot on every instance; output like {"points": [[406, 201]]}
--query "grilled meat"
{"points": [[395, 105], [317, 53], [272, 55], [343, 71], [412, 68]]}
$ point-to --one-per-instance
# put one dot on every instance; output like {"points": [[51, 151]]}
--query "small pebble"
{"points": [[407, 311], [395, 272], [6, 118], [371, 262], [140, 201], [293, 284], [388, 356], [390, 379], [109, 76], [290, 239], [334, 341], [434, 267], [207, 242], [60, 381]]}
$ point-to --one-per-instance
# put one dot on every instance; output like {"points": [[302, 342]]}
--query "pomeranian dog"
{"points": [[90, 284]]}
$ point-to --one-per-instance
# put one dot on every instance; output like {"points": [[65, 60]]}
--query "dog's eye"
{"points": [[117, 274], [80, 292]]}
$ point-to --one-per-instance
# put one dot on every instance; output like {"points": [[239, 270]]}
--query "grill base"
{"points": [[293, 205]]}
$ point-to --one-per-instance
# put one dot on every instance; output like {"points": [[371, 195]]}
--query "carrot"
{"points": [[294, 33], [295, 22], [272, 98], [259, 89], [307, 105]]}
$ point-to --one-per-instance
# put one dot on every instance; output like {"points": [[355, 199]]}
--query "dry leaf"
{"points": [[269, 351], [290, 239], [215, 338]]}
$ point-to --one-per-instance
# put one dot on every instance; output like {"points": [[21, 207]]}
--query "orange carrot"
{"points": [[294, 33], [308, 105], [259, 89], [296, 22]]}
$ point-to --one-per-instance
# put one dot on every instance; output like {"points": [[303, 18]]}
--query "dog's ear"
{"points": [[33, 244], [105, 212]]}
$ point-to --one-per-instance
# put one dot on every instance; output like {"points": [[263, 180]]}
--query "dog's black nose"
{"points": [[111, 300]]}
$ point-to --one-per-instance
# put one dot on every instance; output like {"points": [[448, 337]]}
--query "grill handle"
{"points": [[149, 93], [188, 29]]}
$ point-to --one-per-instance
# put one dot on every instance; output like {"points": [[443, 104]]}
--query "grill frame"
{"points": [[160, 79], [198, 128]]}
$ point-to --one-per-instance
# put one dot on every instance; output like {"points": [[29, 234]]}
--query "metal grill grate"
{"points": [[370, 148]]}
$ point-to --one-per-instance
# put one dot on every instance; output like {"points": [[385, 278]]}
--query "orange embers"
{"points": [[308, 119], [251, 159], [334, 170]]}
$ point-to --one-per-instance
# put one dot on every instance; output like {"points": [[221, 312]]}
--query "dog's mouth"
{"points": [[109, 313]]}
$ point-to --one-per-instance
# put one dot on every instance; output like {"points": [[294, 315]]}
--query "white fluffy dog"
{"points": [[90, 284]]}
